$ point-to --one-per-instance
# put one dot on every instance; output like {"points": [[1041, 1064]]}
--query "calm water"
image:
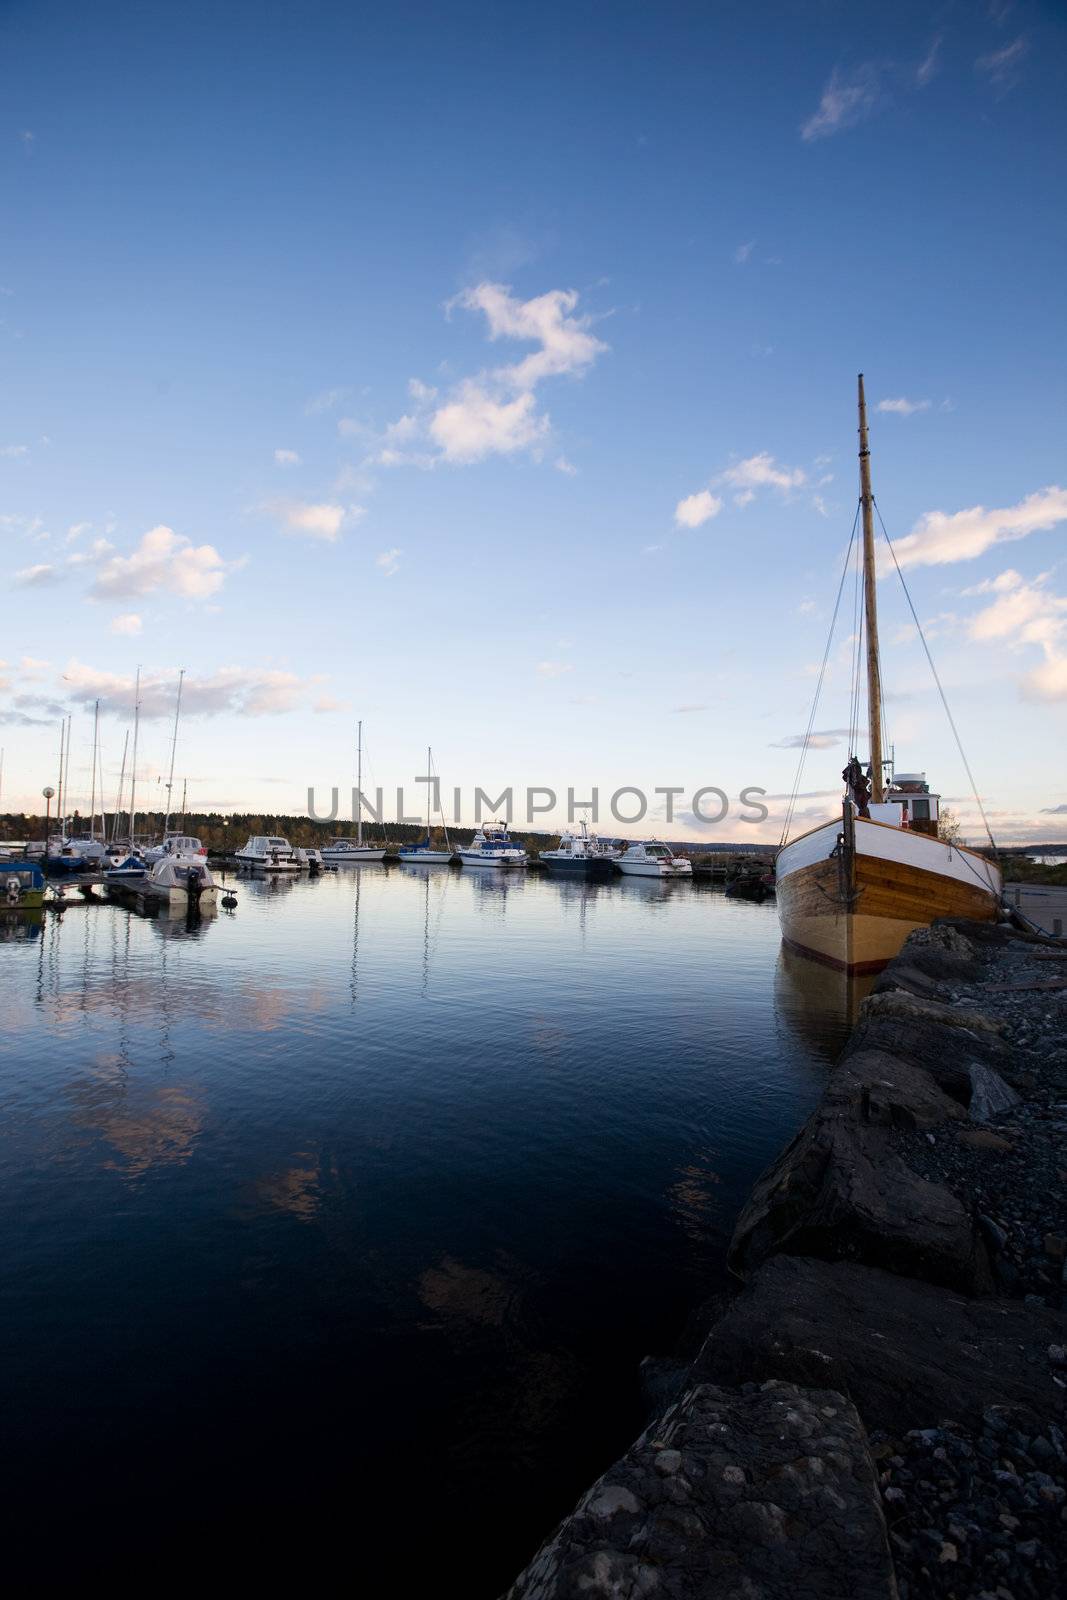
{"points": [[367, 1199]]}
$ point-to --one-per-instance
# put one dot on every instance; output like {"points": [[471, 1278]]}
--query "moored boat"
{"points": [[582, 853], [21, 886], [424, 854], [178, 879], [493, 846], [852, 889], [652, 858], [267, 853]]}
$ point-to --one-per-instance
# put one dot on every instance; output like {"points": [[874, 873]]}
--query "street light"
{"points": [[48, 792]]}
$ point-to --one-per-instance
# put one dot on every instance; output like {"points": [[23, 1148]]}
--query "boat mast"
{"points": [[66, 774], [173, 750], [92, 780], [870, 611], [359, 782], [429, 791], [59, 784], [122, 786], [133, 769]]}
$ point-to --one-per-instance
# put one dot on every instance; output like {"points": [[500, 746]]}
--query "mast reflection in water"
{"points": [[378, 1188]]}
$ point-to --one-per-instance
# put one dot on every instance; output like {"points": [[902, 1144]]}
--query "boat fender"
{"points": [[14, 891]]}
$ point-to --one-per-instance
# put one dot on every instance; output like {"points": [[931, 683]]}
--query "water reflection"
{"points": [[817, 1004]]}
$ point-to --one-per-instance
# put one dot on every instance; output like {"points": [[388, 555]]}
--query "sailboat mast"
{"points": [[870, 610], [92, 780], [66, 773], [359, 782], [429, 790], [59, 784], [173, 749], [133, 769], [122, 786]]}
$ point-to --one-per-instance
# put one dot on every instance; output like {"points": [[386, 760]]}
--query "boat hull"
{"points": [[579, 866], [479, 858], [339, 858], [426, 858], [651, 869], [850, 903]]}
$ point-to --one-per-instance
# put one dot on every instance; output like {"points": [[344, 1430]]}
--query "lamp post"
{"points": [[48, 792]]}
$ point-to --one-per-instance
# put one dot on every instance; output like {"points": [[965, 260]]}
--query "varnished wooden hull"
{"points": [[853, 911]]}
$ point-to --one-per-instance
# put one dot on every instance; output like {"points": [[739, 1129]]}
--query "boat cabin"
{"points": [[909, 804]]}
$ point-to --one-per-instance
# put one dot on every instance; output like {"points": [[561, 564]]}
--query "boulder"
{"points": [[908, 1354], [765, 1495], [840, 1191], [942, 1040]]}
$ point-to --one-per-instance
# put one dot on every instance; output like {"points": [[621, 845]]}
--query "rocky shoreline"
{"points": [[881, 1408]]}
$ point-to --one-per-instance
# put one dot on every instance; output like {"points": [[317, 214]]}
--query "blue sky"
{"points": [[489, 373]]}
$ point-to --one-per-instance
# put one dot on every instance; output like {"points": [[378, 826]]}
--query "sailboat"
{"points": [[851, 890], [424, 854], [340, 850]]}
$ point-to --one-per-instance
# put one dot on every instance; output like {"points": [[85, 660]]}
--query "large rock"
{"points": [[767, 1495], [942, 1040], [908, 1354], [841, 1192]]}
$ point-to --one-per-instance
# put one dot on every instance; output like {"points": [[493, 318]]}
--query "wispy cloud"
{"points": [[743, 253], [388, 562], [762, 471], [1002, 69], [939, 538], [325, 401], [903, 407], [14, 452], [244, 691], [39, 576], [849, 98], [128, 623], [553, 669], [823, 740], [929, 65], [287, 458], [568, 468]]}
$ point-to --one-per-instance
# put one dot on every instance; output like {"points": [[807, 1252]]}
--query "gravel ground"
{"points": [[976, 1516], [1013, 1169]]}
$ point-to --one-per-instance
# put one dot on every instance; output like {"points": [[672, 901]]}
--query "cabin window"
{"points": [[920, 809]]}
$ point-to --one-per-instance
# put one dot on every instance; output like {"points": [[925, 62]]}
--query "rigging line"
{"points": [[818, 686], [937, 680]]}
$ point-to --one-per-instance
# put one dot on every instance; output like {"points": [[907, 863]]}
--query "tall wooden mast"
{"points": [[870, 610]]}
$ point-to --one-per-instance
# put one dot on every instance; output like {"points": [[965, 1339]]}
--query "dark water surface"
{"points": [[365, 1201]]}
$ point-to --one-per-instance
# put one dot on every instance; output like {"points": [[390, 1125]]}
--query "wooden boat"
{"points": [[851, 890]]}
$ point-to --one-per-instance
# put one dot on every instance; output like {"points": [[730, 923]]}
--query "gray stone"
{"points": [[990, 1095], [908, 1354], [784, 1503]]}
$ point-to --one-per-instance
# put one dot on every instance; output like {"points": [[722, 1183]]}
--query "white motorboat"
{"points": [[180, 879], [340, 851], [174, 844], [582, 853], [268, 853], [308, 860], [424, 854], [493, 846], [654, 859], [130, 868]]}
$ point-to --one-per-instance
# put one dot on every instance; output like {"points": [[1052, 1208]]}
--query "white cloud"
{"points": [[475, 425], [162, 560], [847, 99], [495, 412], [744, 251], [553, 669], [568, 468], [938, 538], [1027, 613], [37, 577], [388, 562], [76, 530], [13, 451], [696, 509], [287, 458], [245, 691], [762, 471], [322, 521], [128, 623], [903, 407]]}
